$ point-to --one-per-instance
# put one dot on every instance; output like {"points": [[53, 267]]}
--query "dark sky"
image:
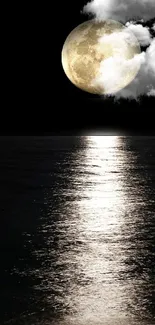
{"points": [[39, 97]]}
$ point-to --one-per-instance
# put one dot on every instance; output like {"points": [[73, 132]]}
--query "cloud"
{"points": [[132, 13], [119, 40], [121, 10], [144, 83], [116, 69], [142, 33], [151, 92]]}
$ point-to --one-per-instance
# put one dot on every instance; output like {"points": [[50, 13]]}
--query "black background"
{"points": [[39, 97]]}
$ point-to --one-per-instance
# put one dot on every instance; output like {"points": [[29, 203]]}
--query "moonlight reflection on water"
{"points": [[96, 280], [99, 293], [92, 249]]}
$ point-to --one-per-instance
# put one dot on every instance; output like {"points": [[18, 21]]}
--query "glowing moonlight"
{"points": [[100, 57]]}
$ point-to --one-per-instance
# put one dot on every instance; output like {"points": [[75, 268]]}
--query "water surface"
{"points": [[77, 230]]}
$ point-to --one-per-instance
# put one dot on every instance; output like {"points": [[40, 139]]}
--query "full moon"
{"points": [[96, 56]]}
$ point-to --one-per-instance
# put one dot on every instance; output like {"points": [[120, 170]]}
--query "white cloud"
{"points": [[114, 68], [151, 92], [150, 57], [119, 40], [121, 10], [142, 33], [144, 83]]}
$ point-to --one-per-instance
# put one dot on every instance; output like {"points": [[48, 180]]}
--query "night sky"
{"points": [[39, 97]]}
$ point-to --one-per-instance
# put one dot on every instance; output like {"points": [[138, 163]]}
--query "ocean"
{"points": [[77, 230]]}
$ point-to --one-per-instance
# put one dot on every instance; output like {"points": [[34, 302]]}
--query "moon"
{"points": [[97, 56]]}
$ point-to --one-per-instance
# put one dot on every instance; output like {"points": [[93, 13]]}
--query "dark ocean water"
{"points": [[77, 230]]}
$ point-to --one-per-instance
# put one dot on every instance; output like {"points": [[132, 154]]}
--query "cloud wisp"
{"points": [[142, 33], [144, 83], [121, 10]]}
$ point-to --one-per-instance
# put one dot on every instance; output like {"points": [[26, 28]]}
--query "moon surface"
{"points": [[99, 57]]}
